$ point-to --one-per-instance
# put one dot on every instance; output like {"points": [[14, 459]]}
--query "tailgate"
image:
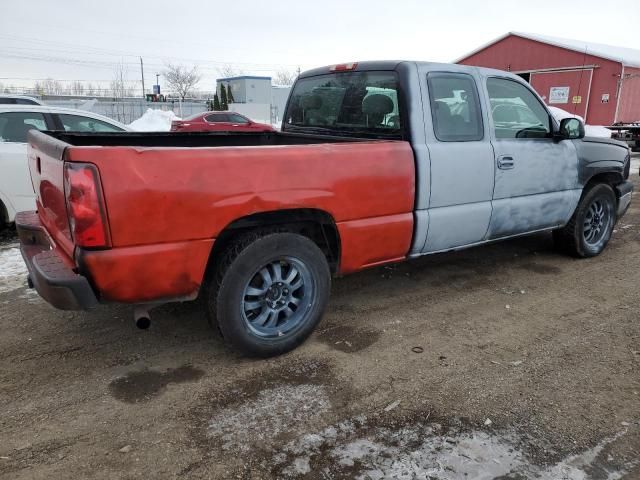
{"points": [[46, 164]]}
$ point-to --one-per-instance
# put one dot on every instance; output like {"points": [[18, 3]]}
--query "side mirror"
{"points": [[571, 129]]}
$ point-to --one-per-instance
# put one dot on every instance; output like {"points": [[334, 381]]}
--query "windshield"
{"points": [[346, 102]]}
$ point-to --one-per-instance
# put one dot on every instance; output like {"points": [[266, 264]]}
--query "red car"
{"points": [[219, 122]]}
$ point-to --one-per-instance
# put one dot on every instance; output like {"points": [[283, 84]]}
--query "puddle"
{"points": [[144, 385], [541, 269], [348, 339], [13, 271], [355, 449]]}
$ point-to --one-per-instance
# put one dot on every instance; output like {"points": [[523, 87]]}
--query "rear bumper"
{"points": [[49, 273], [624, 192]]}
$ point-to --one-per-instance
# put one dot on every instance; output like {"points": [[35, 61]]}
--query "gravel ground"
{"points": [[507, 361]]}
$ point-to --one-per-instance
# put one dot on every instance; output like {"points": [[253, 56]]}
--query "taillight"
{"points": [[85, 205]]}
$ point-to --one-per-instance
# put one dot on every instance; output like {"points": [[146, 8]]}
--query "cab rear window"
{"points": [[346, 102]]}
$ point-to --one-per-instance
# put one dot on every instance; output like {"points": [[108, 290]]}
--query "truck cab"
{"points": [[491, 161]]}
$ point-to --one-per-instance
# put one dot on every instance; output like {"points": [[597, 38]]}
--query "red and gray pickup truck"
{"points": [[376, 162]]}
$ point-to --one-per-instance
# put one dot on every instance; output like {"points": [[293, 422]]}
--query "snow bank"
{"points": [[13, 271], [154, 121], [590, 130]]}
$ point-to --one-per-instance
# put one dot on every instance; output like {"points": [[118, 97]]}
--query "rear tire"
{"points": [[590, 228], [269, 293]]}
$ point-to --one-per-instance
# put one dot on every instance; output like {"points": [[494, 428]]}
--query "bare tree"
{"points": [[48, 86], [227, 70], [77, 88], [182, 80], [119, 84], [119, 90], [285, 77]]}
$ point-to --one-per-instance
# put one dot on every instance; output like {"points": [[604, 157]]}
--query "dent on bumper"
{"points": [[49, 273]]}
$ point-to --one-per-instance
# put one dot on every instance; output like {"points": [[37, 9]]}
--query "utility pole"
{"points": [[142, 72]]}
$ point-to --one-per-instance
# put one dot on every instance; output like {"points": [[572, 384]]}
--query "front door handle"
{"points": [[505, 162]]}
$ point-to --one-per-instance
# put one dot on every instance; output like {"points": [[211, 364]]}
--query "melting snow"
{"points": [[154, 121], [13, 271], [590, 130], [272, 412], [425, 451]]}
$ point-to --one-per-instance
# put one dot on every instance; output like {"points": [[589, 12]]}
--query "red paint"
{"points": [[517, 54], [200, 123], [629, 108], [166, 206], [158, 195], [374, 241], [47, 177], [150, 272], [578, 82]]}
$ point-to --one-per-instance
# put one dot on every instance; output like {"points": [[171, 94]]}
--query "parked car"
{"points": [[219, 122], [359, 176], [16, 190], [18, 100]]}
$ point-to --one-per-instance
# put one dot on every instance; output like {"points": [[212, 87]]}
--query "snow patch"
{"points": [[154, 121], [590, 130], [427, 451], [274, 411], [13, 271]]}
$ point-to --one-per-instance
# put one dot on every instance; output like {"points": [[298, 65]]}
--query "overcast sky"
{"points": [[82, 40]]}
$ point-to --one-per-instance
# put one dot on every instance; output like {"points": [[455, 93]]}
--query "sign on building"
{"points": [[559, 95]]}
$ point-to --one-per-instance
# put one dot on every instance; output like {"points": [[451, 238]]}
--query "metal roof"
{"points": [[242, 77], [626, 56]]}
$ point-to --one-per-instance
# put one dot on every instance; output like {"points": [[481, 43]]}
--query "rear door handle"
{"points": [[505, 162]]}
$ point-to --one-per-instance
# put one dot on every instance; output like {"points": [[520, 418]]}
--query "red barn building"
{"points": [[598, 82]]}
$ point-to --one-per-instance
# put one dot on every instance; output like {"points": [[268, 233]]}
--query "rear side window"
{"points": [[516, 111], [14, 126], [77, 123], [237, 118], [25, 101], [217, 117], [455, 107]]}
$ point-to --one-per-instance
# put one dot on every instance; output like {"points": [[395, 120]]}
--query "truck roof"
{"points": [[393, 64]]}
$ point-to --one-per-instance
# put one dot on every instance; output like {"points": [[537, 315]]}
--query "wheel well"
{"points": [[317, 225], [609, 178]]}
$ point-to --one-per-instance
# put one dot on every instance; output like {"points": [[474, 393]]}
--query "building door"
{"points": [[569, 90]]}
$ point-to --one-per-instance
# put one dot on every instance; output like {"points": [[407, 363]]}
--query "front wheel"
{"points": [[590, 228], [271, 291]]}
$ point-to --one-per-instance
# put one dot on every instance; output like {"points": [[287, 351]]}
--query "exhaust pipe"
{"points": [[142, 318]]}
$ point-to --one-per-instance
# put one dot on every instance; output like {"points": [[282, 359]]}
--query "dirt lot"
{"points": [[507, 361]]}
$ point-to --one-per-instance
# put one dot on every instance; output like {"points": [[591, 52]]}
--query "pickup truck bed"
{"points": [[166, 204]]}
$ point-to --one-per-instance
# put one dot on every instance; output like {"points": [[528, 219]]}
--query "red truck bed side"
{"points": [[166, 206]]}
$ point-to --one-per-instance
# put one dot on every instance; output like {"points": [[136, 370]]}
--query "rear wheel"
{"points": [[270, 292], [591, 226]]}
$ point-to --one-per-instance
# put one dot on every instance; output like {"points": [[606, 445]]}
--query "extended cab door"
{"points": [[461, 161], [536, 177]]}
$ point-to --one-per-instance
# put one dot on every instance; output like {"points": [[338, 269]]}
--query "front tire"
{"points": [[270, 292], [590, 228]]}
